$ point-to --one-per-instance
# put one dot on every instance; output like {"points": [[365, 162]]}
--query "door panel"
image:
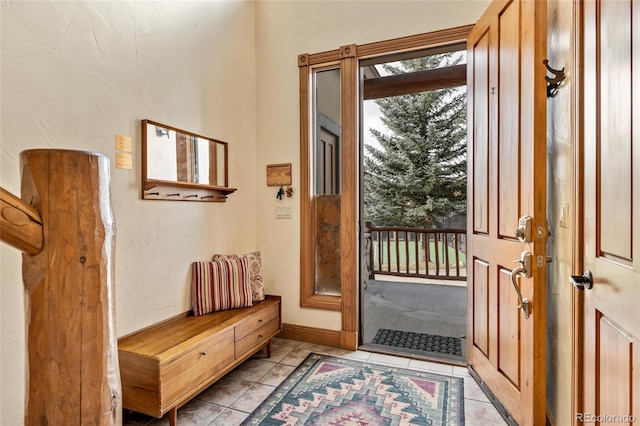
{"points": [[480, 157], [615, 122], [507, 112], [481, 305], [615, 368], [612, 207], [509, 131]]}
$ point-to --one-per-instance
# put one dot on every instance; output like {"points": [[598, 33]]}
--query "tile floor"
{"points": [[230, 400]]}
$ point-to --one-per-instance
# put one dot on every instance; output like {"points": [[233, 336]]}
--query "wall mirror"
{"points": [[181, 165]]}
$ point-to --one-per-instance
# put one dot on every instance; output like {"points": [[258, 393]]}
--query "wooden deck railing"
{"points": [[416, 252]]}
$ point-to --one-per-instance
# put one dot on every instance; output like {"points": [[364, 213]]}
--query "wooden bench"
{"points": [[164, 366]]}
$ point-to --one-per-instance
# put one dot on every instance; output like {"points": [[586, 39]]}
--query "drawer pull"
{"points": [[259, 321], [203, 353], [260, 336]]}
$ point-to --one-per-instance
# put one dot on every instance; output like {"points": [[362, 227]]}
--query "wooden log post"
{"points": [[20, 224], [73, 373]]}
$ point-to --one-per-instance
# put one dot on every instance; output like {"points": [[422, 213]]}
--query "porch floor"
{"points": [[423, 306]]}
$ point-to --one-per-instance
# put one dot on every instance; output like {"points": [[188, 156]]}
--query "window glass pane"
{"points": [[326, 167]]}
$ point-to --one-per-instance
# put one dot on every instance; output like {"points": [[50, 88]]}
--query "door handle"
{"points": [[524, 304], [582, 282]]}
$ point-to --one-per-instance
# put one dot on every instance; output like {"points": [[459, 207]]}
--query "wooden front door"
{"points": [[507, 181], [612, 212]]}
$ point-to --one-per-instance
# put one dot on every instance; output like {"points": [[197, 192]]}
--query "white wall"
{"points": [[75, 74], [560, 192], [285, 29]]}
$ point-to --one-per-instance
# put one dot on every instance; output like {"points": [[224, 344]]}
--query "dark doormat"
{"points": [[419, 342]]}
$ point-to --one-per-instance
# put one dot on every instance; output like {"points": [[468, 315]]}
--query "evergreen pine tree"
{"points": [[417, 177]]}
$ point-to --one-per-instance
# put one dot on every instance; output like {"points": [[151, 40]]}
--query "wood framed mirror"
{"points": [[183, 166]]}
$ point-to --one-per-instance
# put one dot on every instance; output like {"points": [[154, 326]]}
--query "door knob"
{"points": [[582, 282]]}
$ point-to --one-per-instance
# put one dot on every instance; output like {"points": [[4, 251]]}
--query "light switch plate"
{"points": [[564, 213], [283, 212]]}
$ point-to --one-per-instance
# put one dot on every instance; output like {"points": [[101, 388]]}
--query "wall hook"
{"points": [[553, 82]]}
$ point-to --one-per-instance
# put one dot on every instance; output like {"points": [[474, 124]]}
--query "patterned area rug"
{"points": [[326, 390]]}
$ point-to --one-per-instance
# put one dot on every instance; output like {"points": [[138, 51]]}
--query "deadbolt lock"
{"points": [[524, 233]]}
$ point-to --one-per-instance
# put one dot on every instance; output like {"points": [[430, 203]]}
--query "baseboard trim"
{"points": [[319, 336], [349, 340]]}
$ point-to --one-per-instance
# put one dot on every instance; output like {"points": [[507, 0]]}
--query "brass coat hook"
{"points": [[553, 82]]}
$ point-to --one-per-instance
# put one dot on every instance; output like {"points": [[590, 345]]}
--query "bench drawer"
{"points": [[257, 320], [260, 336], [200, 362]]}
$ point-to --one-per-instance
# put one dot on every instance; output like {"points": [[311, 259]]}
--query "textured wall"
{"points": [[560, 193], [75, 74]]}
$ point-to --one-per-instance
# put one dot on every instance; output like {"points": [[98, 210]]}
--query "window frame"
{"points": [[344, 59]]}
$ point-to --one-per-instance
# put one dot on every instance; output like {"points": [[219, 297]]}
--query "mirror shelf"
{"points": [[183, 166], [183, 191]]}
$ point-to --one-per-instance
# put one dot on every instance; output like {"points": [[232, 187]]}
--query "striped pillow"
{"points": [[220, 285], [255, 272]]}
